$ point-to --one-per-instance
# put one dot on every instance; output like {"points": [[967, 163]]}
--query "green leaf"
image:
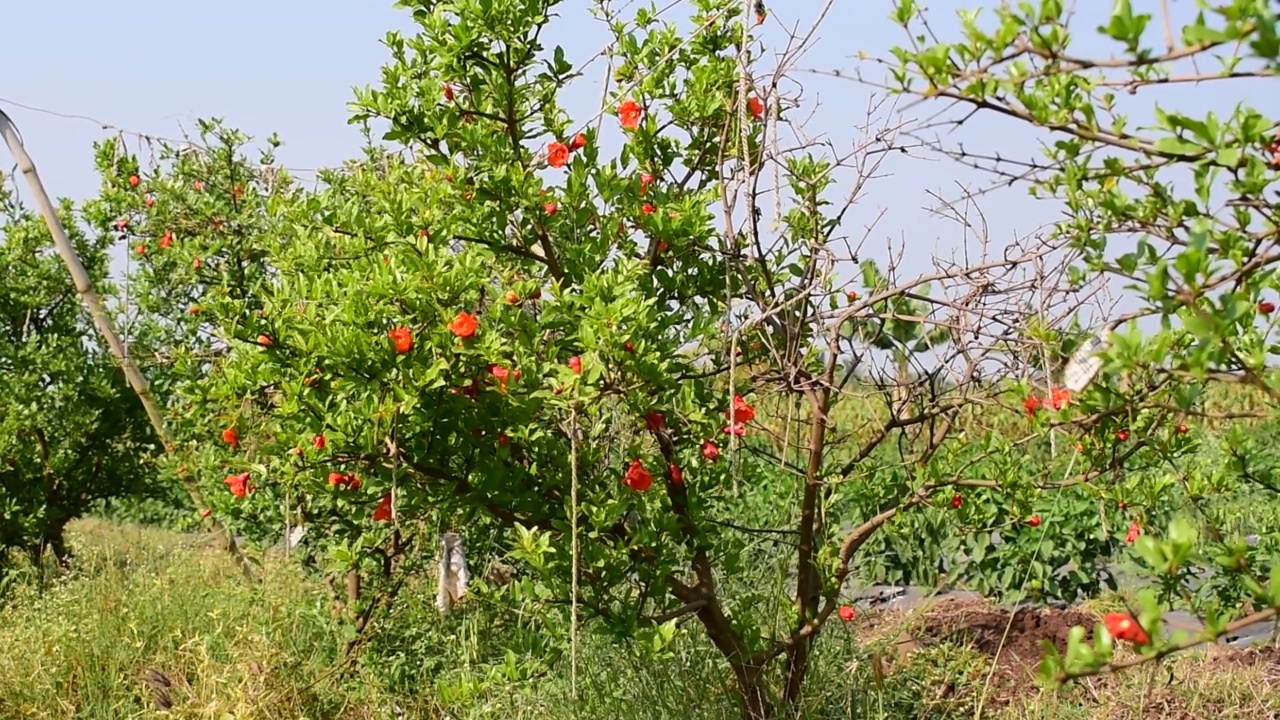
{"points": [[1174, 145]]}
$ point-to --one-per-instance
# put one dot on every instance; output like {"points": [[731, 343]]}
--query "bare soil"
{"points": [[1014, 642], [1016, 636]]}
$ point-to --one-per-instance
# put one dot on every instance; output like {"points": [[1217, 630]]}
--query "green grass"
{"points": [[142, 600]]}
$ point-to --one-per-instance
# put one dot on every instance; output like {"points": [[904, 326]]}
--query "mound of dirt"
{"points": [[1013, 639], [1266, 656], [1016, 637]]}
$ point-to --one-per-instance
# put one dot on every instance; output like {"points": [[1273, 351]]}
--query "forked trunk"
{"points": [[748, 677], [753, 693], [797, 668]]}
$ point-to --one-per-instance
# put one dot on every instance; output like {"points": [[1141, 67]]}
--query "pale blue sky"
{"points": [[287, 66]]}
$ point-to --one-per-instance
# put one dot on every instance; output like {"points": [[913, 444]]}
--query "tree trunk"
{"points": [[57, 542], [747, 676], [808, 582], [901, 390], [752, 693], [797, 666], [352, 608]]}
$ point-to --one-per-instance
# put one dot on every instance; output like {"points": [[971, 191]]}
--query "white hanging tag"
{"points": [[453, 573], [1084, 365]]}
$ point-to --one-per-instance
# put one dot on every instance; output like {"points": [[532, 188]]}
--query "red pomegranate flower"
{"points": [[1124, 627], [741, 411], [448, 92], [401, 339], [710, 451], [229, 437], [1060, 397], [1032, 403], [629, 114], [345, 480], [318, 441], [677, 477], [550, 208], [846, 613], [166, 240], [956, 501], [647, 208], [382, 513], [557, 155], [238, 484], [575, 364], [756, 107], [578, 142], [501, 373], [1034, 521], [654, 421], [464, 325], [645, 180], [637, 478], [1134, 531]]}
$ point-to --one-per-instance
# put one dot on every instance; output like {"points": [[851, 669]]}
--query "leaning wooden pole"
{"points": [[106, 328]]}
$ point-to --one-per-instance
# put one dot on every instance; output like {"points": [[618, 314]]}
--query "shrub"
{"points": [[72, 434]]}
